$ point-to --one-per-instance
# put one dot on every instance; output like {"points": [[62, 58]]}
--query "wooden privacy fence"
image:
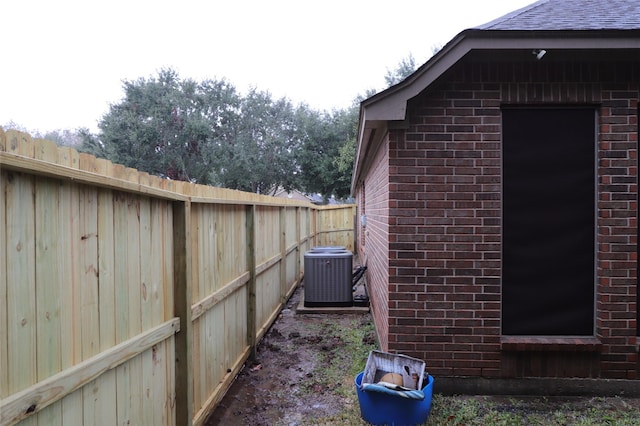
{"points": [[130, 299]]}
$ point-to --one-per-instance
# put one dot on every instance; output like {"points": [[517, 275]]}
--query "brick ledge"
{"points": [[548, 344]]}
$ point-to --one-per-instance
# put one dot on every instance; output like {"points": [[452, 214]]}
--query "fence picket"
{"points": [[48, 301], [69, 238], [4, 338]]}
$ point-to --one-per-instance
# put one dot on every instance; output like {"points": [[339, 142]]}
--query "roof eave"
{"points": [[391, 104]]}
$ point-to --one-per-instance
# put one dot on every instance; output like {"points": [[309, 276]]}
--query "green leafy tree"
{"points": [[324, 135], [344, 164], [202, 132], [404, 69], [258, 155], [65, 137], [167, 126], [205, 132]]}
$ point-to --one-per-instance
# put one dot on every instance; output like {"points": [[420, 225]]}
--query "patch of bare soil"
{"points": [[294, 382], [280, 387]]}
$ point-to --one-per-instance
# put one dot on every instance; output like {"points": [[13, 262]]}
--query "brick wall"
{"points": [[444, 239], [374, 196]]}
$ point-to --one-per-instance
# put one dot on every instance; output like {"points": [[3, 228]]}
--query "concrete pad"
{"points": [[301, 309]]}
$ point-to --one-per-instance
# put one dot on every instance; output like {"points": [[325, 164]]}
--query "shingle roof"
{"points": [[571, 15]]}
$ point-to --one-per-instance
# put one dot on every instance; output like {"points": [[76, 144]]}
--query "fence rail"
{"points": [[130, 299]]}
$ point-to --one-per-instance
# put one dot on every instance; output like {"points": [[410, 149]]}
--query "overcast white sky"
{"points": [[63, 61]]}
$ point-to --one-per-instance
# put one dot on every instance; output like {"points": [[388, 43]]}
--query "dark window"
{"points": [[548, 221]]}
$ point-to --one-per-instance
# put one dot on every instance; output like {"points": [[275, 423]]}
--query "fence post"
{"points": [[316, 216], [251, 285], [283, 254], [182, 309], [299, 250]]}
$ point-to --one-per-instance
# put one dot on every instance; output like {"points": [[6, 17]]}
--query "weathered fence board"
{"points": [[99, 263], [4, 242], [21, 282], [49, 390]]}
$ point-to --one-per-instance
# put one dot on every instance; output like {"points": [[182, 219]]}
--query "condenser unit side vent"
{"points": [[327, 278]]}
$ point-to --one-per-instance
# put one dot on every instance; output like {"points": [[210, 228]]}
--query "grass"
{"points": [[468, 411], [347, 349], [458, 410], [344, 356]]}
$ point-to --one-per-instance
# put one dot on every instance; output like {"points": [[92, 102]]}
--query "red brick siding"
{"points": [[374, 241], [444, 239]]}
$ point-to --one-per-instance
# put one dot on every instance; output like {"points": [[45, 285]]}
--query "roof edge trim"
{"points": [[391, 104]]}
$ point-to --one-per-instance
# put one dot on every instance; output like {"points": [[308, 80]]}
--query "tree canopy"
{"points": [[167, 126], [404, 69], [207, 132]]}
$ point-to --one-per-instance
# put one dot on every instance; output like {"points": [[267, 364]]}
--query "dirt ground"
{"points": [[277, 386], [286, 386]]}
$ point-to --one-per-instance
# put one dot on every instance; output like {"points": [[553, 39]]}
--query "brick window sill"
{"points": [[548, 344]]}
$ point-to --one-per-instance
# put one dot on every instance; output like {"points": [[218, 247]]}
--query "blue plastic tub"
{"points": [[383, 409]]}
